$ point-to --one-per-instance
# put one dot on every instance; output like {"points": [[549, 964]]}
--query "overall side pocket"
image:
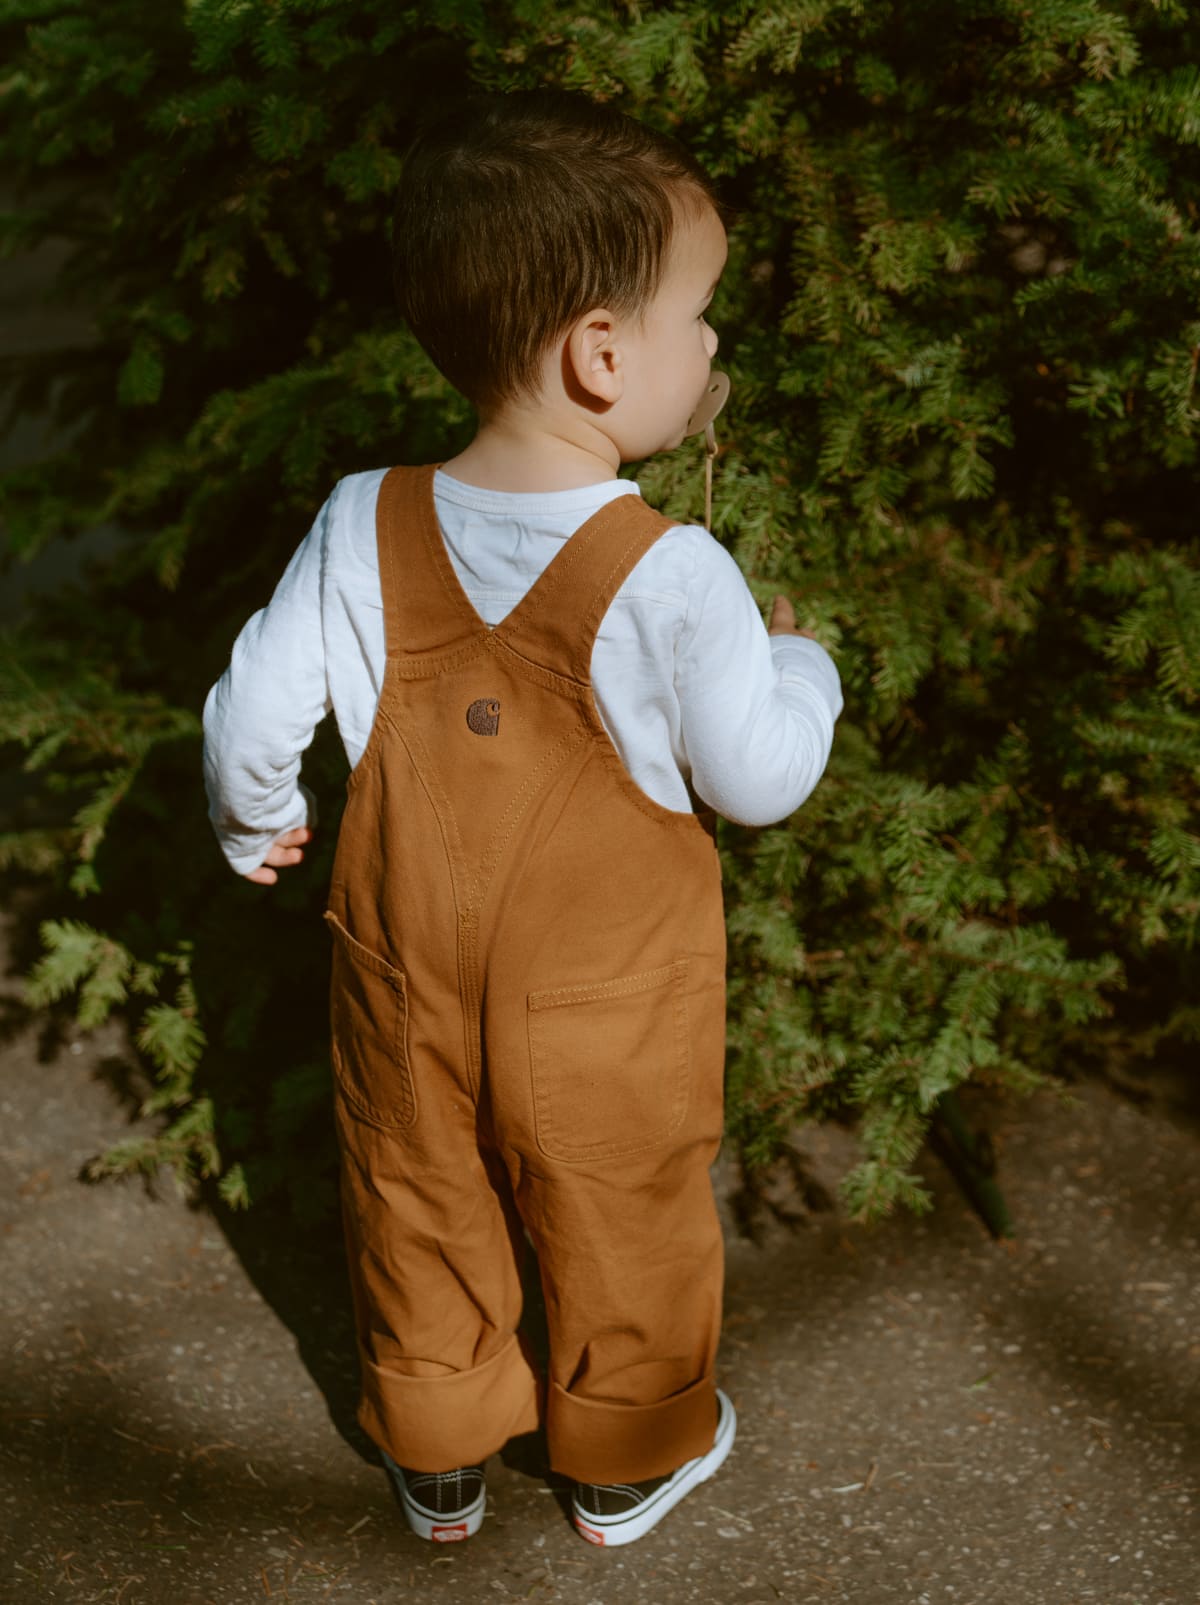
{"points": [[610, 1063], [368, 1016]]}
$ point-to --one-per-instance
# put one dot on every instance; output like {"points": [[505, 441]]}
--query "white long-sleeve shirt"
{"points": [[687, 682]]}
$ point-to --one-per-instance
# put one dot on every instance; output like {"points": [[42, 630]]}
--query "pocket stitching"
{"points": [[647, 980], [594, 991], [355, 953]]}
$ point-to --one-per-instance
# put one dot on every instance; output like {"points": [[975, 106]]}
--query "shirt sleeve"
{"points": [[757, 710], [260, 716]]}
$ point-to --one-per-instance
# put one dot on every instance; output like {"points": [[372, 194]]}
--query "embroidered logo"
{"points": [[483, 716]]}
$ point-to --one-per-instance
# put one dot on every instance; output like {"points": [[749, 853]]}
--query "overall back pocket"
{"points": [[369, 1029], [610, 1063]]}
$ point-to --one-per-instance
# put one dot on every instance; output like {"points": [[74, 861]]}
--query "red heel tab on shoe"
{"points": [[449, 1533], [590, 1533]]}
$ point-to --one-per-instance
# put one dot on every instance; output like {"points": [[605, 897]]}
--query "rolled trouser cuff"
{"points": [[591, 1440], [439, 1423]]}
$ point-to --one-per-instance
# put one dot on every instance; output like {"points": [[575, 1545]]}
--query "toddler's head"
{"points": [[543, 242]]}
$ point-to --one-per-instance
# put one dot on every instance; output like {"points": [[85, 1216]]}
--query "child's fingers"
{"points": [[783, 620], [285, 849], [293, 838], [279, 854]]}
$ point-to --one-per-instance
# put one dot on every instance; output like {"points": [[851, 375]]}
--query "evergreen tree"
{"points": [[960, 318]]}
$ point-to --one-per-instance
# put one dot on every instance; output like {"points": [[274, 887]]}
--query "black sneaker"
{"points": [[617, 1513], [443, 1506]]}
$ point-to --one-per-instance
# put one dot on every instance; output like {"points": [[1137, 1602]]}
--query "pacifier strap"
{"points": [[710, 455], [701, 421]]}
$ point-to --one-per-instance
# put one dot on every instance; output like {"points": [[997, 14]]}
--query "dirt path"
{"points": [[926, 1415]]}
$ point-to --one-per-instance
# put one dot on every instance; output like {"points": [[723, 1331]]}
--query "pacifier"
{"points": [[701, 422]]}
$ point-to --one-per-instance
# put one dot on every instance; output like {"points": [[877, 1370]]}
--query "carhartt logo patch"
{"points": [[483, 716]]}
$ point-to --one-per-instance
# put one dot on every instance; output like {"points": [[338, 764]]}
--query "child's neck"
{"points": [[520, 455]]}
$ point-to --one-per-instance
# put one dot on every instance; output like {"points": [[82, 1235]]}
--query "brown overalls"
{"points": [[528, 1013]]}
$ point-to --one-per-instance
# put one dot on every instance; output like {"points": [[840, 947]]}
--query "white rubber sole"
{"points": [[428, 1524], [609, 1531]]}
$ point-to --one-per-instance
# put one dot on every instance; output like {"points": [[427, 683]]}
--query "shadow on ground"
{"points": [[926, 1414]]}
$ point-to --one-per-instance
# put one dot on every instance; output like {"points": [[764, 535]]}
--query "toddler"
{"points": [[545, 690]]}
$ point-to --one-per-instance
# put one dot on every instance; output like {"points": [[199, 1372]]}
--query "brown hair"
{"points": [[518, 212]]}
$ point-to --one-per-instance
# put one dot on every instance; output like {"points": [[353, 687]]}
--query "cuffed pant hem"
{"points": [[590, 1440], [442, 1422]]}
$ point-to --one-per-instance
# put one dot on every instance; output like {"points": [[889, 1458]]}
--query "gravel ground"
{"points": [[926, 1414]]}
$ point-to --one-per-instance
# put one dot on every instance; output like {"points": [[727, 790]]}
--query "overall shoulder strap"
{"points": [[555, 624], [425, 609]]}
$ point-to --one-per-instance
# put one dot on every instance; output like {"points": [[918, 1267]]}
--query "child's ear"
{"points": [[593, 356]]}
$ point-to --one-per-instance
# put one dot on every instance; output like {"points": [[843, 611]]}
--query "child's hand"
{"points": [[286, 850], [783, 620]]}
